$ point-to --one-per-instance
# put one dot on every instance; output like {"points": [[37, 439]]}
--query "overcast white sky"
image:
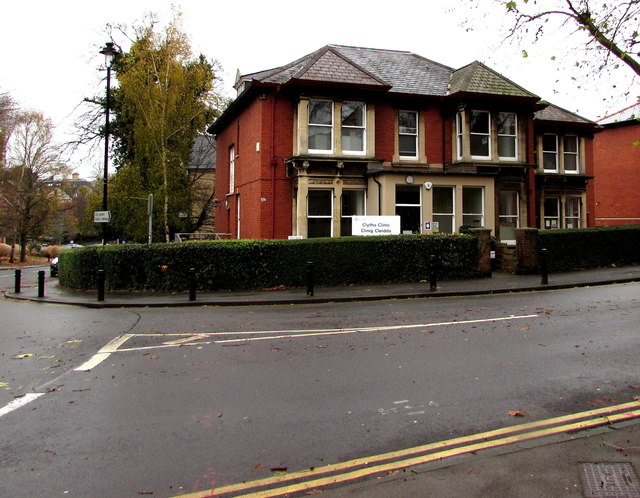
{"points": [[50, 55]]}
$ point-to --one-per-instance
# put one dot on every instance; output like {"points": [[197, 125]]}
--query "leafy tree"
{"points": [[27, 183], [165, 97]]}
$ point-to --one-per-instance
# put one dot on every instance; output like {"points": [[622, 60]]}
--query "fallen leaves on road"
{"points": [[151, 356], [23, 356], [517, 413]]}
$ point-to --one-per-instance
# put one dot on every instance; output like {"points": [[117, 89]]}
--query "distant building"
{"points": [[348, 131], [202, 172], [617, 168]]}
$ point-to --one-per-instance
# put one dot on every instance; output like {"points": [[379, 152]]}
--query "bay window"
{"points": [[480, 134], [572, 212], [353, 127], [570, 153], [319, 213], [550, 152], [320, 126], [507, 135], [551, 212], [351, 204]]}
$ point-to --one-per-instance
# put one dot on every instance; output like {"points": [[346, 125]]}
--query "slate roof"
{"points": [[478, 78], [555, 113], [397, 71]]}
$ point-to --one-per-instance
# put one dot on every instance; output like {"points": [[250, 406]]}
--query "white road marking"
{"points": [[104, 353], [196, 339], [19, 402]]}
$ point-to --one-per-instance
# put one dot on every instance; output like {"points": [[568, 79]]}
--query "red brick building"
{"points": [[617, 169], [349, 131]]}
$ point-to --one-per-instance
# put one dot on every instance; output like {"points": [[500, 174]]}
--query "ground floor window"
{"points": [[351, 204], [319, 213], [508, 215], [408, 208], [443, 209], [473, 207], [551, 212], [572, 212]]}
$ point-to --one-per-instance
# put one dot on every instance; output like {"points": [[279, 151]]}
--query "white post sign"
{"points": [[375, 225], [101, 216]]}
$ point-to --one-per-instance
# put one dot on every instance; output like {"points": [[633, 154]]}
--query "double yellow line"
{"points": [[362, 467]]}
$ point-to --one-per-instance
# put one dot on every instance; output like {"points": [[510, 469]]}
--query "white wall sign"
{"points": [[375, 225]]}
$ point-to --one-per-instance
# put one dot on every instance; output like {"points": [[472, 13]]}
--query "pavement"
{"points": [[593, 454]]}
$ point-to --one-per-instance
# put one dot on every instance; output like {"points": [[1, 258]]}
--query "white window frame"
{"points": [[414, 206], [575, 154], [567, 217], [452, 214], [556, 217], [321, 216], [321, 125], [482, 201], [509, 216], [554, 152], [459, 135], [415, 135], [351, 127], [364, 207], [514, 137], [488, 134], [232, 168]]}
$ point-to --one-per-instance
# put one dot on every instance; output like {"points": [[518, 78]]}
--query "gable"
{"points": [[478, 78]]}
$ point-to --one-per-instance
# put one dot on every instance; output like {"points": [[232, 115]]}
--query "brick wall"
{"points": [[617, 175]]}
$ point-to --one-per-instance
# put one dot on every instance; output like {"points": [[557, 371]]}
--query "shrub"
{"points": [[591, 247], [252, 264]]}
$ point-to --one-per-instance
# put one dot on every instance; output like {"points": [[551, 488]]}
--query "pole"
{"points": [[105, 180], [101, 280], [18, 276], [41, 283], [310, 278], [150, 213], [192, 284], [544, 266]]}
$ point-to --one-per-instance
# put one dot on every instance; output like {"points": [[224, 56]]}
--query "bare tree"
{"points": [[8, 109], [27, 182]]}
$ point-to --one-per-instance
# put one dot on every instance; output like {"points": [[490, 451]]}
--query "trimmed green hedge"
{"points": [[259, 264], [590, 247]]}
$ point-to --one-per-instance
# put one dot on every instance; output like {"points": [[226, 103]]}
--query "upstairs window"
{"points": [[353, 127], [550, 152], [320, 126], [459, 136], [408, 134], [480, 134], [232, 168], [570, 153], [507, 135]]}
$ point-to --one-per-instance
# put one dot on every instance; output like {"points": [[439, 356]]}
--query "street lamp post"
{"points": [[109, 51]]}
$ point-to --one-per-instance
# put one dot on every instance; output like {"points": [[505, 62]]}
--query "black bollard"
{"points": [[41, 283], [17, 282], [101, 280], [192, 284], [433, 284], [310, 278], [544, 266]]}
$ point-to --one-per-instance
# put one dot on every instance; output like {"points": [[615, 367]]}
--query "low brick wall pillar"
{"points": [[483, 235], [526, 251]]}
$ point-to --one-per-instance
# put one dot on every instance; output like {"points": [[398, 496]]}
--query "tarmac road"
{"points": [[191, 399]]}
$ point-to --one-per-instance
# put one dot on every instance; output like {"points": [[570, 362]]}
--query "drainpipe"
{"points": [[375, 179], [274, 163]]}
